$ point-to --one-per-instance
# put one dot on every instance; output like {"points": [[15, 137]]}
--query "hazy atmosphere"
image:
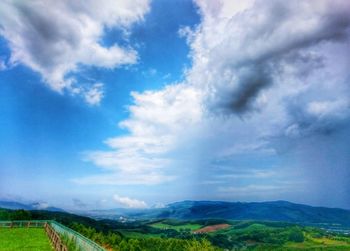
{"points": [[144, 103]]}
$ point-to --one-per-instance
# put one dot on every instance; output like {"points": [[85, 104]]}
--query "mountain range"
{"points": [[274, 211], [32, 206], [195, 210]]}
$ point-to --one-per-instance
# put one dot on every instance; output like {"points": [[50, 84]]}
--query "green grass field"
{"points": [[28, 239], [135, 234], [189, 226], [322, 243]]}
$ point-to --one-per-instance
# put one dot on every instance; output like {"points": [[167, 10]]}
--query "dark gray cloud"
{"points": [[271, 36], [250, 81]]}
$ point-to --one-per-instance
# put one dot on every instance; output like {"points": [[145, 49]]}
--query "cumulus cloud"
{"points": [[157, 118], [237, 51], [54, 38], [128, 202], [317, 117], [94, 95], [262, 73]]}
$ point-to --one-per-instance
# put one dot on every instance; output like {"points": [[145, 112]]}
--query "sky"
{"points": [[141, 103]]}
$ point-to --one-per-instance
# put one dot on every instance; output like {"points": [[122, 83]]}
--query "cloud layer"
{"points": [[142, 155], [54, 38], [267, 79], [128, 202], [239, 51]]}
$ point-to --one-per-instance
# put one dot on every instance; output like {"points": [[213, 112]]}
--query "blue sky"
{"points": [[126, 104]]}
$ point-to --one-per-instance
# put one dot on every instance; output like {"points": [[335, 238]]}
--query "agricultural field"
{"points": [[163, 228], [179, 227], [251, 235], [29, 239], [137, 234], [211, 228], [255, 235], [179, 235]]}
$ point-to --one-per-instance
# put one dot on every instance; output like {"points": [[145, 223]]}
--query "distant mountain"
{"points": [[197, 210], [63, 217], [14, 205], [275, 210], [267, 211], [33, 206]]}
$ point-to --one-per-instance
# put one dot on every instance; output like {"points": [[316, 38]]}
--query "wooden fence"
{"points": [[12, 224], [80, 241], [55, 238]]}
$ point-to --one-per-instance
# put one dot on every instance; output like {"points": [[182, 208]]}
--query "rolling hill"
{"points": [[271, 211], [196, 210], [32, 206]]}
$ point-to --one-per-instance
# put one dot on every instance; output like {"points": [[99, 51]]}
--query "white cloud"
{"points": [[128, 202], [158, 205], [2, 65], [329, 108], [54, 37], [94, 95], [251, 63], [157, 119], [40, 205]]}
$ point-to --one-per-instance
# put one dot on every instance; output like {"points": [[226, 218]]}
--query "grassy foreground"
{"points": [[29, 239], [184, 235]]}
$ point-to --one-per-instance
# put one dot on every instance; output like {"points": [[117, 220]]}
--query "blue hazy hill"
{"points": [[196, 210], [271, 211], [32, 206]]}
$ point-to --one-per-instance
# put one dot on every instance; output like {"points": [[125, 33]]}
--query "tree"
{"points": [[296, 235]]}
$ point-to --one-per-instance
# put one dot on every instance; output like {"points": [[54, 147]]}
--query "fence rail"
{"points": [[54, 231], [34, 223], [81, 241], [55, 238]]}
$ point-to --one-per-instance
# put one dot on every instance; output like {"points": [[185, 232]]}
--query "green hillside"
{"points": [[201, 235], [273, 211]]}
